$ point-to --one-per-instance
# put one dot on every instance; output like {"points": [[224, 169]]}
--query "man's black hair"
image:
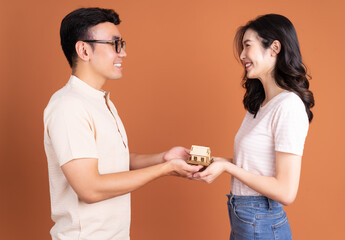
{"points": [[75, 27]]}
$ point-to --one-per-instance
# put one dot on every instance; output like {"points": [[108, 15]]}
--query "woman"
{"points": [[269, 145]]}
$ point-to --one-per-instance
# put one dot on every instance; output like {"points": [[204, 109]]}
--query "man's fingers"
{"points": [[196, 175], [199, 167], [200, 174], [192, 168], [187, 150]]}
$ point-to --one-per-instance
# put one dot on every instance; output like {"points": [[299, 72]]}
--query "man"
{"points": [[91, 171]]}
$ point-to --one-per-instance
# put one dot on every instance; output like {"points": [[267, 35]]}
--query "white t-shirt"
{"points": [[280, 125], [79, 124]]}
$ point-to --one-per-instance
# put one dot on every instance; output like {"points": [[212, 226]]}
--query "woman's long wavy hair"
{"points": [[290, 73]]}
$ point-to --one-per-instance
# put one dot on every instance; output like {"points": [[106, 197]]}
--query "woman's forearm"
{"points": [[281, 188]]}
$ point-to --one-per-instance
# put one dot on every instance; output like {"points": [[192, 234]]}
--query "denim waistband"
{"points": [[254, 201]]}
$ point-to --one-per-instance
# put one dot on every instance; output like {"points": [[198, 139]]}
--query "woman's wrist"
{"points": [[216, 159], [228, 167]]}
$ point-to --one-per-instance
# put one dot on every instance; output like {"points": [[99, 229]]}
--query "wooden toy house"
{"points": [[200, 155]]}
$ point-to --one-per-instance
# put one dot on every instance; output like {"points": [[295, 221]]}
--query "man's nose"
{"points": [[122, 53]]}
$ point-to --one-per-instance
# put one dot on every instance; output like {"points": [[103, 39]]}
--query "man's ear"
{"points": [[83, 50], [276, 47]]}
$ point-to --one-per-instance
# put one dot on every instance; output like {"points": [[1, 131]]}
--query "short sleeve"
{"points": [[69, 127], [290, 126]]}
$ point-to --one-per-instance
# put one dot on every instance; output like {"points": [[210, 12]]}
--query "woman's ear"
{"points": [[276, 47], [83, 50]]}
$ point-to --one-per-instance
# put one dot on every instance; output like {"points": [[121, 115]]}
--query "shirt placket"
{"points": [[106, 97]]}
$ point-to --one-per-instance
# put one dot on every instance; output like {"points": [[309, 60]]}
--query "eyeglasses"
{"points": [[118, 44]]}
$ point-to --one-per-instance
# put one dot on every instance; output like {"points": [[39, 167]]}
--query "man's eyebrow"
{"points": [[116, 38]]}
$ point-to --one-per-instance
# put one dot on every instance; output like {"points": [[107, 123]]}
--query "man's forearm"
{"points": [[138, 161], [91, 186], [116, 184]]}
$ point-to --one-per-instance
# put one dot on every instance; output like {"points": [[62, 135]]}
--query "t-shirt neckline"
{"points": [[273, 99]]}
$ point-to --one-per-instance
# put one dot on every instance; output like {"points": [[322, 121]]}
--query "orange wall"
{"points": [[181, 86]]}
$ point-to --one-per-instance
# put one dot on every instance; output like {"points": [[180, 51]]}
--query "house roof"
{"points": [[200, 150]]}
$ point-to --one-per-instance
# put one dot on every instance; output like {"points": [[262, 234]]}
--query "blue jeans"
{"points": [[257, 217]]}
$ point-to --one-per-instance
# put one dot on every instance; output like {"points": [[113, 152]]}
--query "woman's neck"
{"points": [[271, 90]]}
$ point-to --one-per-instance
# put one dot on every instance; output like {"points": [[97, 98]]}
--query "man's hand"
{"points": [[138, 161], [176, 153], [180, 168]]}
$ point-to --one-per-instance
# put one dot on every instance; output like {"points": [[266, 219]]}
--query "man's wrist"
{"points": [[162, 157]]}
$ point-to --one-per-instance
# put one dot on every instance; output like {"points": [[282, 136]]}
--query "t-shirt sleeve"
{"points": [[70, 130], [290, 127]]}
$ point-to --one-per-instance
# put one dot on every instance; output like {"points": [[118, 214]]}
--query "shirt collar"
{"points": [[85, 88]]}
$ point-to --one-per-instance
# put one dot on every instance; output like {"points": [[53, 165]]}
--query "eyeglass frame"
{"points": [[115, 43]]}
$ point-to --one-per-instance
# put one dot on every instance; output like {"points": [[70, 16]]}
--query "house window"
{"points": [[202, 159], [195, 158]]}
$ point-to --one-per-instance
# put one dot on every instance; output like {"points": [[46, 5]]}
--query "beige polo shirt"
{"points": [[82, 122]]}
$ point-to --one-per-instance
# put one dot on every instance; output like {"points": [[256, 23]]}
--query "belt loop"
{"points": [[230, 199], [269, 204]]}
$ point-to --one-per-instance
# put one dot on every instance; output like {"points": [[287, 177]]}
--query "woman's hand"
{"points": [[212, 171]]}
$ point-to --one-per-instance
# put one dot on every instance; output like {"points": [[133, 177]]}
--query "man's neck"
{"points": [[89, 78]]}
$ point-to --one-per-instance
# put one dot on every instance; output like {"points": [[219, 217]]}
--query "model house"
{"points": [[200, 155]]}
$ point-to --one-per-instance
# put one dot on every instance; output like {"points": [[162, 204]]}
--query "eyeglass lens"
{"points": [[119, 44]]}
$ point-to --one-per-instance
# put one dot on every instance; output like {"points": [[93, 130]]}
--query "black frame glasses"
{"points": [[118, 44]]}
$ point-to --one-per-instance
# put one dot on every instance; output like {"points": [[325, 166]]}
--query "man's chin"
{"points": [[117, 77]]}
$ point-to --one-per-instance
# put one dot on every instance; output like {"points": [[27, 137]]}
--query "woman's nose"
{"points": [[243, 55]]}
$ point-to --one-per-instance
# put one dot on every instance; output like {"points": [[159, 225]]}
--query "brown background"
{"points": [[181, 86]]}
